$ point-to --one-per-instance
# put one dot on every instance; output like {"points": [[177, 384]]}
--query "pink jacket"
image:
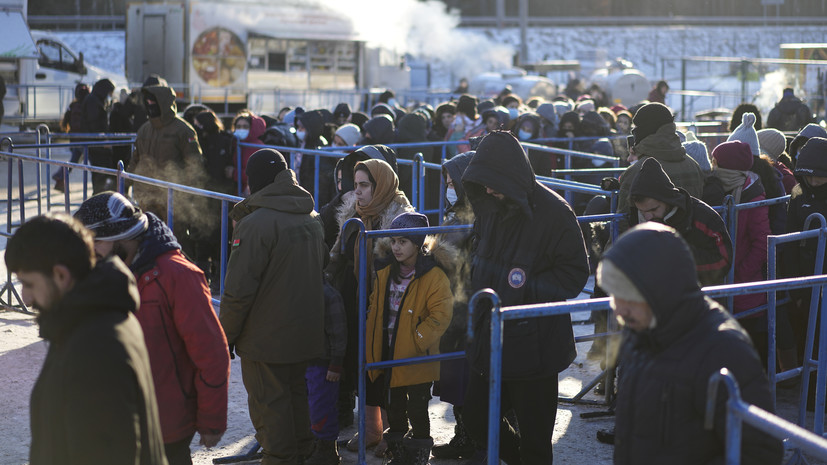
{"points": [[188, 352], [751, 251]]}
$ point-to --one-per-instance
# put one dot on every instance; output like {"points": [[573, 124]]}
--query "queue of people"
{"points": [[290, 305]]}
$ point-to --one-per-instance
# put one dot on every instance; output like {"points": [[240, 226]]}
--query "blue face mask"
{"points": [[451, 196], [524, 135], [513, 113], [392, 102], [242, 133]]}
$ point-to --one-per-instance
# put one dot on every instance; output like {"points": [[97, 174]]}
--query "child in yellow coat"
{"points": [[410, 308]]}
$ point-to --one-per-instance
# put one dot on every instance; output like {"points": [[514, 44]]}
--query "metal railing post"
{"points": [[222, 266], [85, 172], [733, 424], [238, 166]]}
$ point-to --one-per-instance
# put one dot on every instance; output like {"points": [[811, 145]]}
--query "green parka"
{"points": [[273, 303]]}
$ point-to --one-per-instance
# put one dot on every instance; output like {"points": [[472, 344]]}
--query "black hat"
{"points": [[342, 109], [649, 118], [112, 217], [262, 168], [812, 158]]}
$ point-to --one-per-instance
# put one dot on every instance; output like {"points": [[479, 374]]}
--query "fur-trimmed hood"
{"points": [[439, 252], [347, 210]]}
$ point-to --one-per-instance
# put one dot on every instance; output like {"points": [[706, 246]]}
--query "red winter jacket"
{"points": [[187, 348], [751, 248], [257, 128]]}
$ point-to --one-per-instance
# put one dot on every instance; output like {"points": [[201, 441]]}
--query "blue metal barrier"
{"points": [[500, 315], [739, 411]]}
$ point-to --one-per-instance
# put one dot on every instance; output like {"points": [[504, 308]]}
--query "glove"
{"points": [[232, 351], [610, 184]]}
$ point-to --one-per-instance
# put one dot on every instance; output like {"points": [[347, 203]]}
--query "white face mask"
{"points": [[451, 195], [242, 133], [524, 135], [301, 135]]}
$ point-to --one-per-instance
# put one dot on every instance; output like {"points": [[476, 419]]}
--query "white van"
{"points": [[40, 73]]}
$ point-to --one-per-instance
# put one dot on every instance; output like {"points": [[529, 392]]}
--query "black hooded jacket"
{"points": [[530, 250], [662, 394], [699, 225], [93, 108], [381, 130], [94, 401], [789, 114], [313, 122]]}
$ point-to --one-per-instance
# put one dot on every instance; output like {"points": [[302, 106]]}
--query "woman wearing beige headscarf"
{"points": [[376, 200]]}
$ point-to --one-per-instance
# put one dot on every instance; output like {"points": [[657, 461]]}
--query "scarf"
{"points": [[733, 181], [384, 193]]}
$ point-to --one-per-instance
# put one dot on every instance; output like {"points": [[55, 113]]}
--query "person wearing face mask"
{"points": [[95, 119], [167, 148], [248, 129], [526, 128], [453, 374], [512, 103], [376, 200]]}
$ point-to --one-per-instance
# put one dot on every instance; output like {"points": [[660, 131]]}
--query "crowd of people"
{"points": [[115, 279]]}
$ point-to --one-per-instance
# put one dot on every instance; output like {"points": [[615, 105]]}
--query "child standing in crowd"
{"points": [[410, 308]]}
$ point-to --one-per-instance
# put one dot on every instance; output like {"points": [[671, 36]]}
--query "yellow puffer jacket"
{"points": [[424, 314]]}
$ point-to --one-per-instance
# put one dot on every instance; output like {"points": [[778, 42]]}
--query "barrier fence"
{"points": [[420, 167]]}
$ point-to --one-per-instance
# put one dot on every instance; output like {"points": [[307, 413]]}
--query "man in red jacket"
{"points": [[188, 351]]}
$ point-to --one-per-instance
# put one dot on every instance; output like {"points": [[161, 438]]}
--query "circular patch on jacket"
{"points": [[516, 278]]}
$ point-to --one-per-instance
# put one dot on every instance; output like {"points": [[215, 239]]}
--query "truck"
{"points": [[39, 70], [257, 55]]}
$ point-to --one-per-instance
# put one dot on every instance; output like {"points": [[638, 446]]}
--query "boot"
{"points": [[396, 453], [373, 430], [460, 446], [326, 453], [418, 450]]}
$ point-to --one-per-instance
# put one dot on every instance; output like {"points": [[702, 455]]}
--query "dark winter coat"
{"points": [[699, 225], [381, 130], [166, 148], [93, 109], [662, 393], [219, 151], [93, 401], [789, 114], [665, 146], [413, 128], [273, 303], [530, 250], [314, 125], [187, 348]]}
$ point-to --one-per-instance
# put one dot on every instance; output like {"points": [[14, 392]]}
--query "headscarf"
{"points": [[385, 192]]}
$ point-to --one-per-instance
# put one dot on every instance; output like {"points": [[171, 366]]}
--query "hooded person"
{"points": [[342, 113], [249, 128], [550, 120], [378, 130], [530, 249], [383, 109], [790, 114], [464, 121], [674, 339], [655, 198], [310, 127], [807, 132], [654, 136], [95, 119], [167, 149], [272, 309], [453, 374], [187, 348], [413, 128]]}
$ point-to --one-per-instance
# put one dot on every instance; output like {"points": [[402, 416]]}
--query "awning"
{"points": [[15, 41]]}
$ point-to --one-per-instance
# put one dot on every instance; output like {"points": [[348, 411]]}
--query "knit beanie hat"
{"points": [[733, 155], [649, 118], [409, 220], [349, 133], [812, 158], [807, 132], [112, 217], [585, 106], [616, 283], [262, 168], [698, 151], [745, 132], [342, 109], [772, 142], [651, 181]]}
